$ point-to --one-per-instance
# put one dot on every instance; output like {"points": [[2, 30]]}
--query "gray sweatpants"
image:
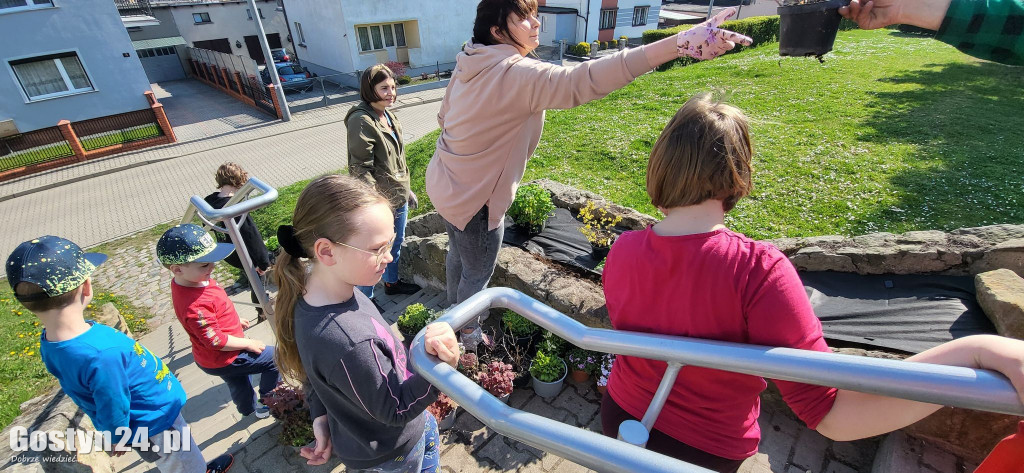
{"points": [[472, 254]]}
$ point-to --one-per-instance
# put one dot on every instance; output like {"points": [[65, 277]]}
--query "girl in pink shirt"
{"points": [[689, 275]]}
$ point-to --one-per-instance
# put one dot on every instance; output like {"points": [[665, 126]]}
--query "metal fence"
{"points": [[133, 7], [117, 129], [321, 91], [34, 147], [250, 82]]}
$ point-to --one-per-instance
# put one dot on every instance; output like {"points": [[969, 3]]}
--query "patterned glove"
{"points": [[707, 41]]}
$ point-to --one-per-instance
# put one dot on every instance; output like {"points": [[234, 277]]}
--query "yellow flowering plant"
{"points": [[598, 222]]}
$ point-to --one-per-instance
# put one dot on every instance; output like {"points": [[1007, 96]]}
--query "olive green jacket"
{"points": [[375, 156]]}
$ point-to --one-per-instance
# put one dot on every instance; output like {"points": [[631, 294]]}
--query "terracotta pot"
{"points": [[580, 376], [602, 389]]}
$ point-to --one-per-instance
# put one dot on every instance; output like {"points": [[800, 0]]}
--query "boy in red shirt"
{"points": [[689, 275], [219, 345]]}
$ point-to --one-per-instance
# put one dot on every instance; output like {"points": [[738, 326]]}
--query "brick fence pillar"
{"points": [[238, 81], [72, 138], [165, 125], [150, 97], [273, 96], [224, 73]]}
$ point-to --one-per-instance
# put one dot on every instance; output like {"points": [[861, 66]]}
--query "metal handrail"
{"points": [[238, 206], [937, 384]]}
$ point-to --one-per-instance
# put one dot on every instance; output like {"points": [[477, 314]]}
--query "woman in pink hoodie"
{"points": [[493, 113]]}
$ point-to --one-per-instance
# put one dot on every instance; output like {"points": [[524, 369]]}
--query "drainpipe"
{"points": [[586, 22], [287, 24]]}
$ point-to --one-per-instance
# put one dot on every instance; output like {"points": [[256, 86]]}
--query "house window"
{"points": [[17, 5], [298, 29], [543, 24], [400, 35], [373, 37], [607, 19], [640, 15], [389, 36], [51, 76], [249, 13], [201, 18]]}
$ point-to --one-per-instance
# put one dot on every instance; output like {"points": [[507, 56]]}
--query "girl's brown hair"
{"points": [[372, 76], [491, 13], [231, 174], [703, 153], [326, 209]]}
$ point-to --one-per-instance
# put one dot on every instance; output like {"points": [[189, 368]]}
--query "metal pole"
{"points": [[739, 10], [286, 114], [711, 6]]}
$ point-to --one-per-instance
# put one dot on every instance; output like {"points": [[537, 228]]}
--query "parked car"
{"points": [[280, 55], [293, 76]]}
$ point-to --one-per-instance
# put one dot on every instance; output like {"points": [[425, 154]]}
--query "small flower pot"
{"points": [[549, 390], [449, 421], [504, 398], [599, 252], [809, 29], [522, 380], [602, 389], [580, 376]]}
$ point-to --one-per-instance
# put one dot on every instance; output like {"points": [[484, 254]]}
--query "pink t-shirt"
{"points": [[720, 286]]}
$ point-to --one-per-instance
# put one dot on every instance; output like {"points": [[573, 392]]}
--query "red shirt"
{"points": [[720, 286], [208, 316], [1008, 456]]}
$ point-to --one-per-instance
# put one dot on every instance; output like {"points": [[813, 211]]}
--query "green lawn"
{"points": [[892, 133], [22, 374]]}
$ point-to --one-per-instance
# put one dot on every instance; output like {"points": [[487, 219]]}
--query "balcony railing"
{"points": [[133, 7]]}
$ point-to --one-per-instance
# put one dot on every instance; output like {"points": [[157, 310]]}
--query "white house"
{"points": [[342, 37], [602, 20], [221, 25], [67, 60]]}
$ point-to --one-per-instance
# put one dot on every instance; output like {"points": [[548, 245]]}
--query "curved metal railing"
{"points": [[925, 382], [238, 206]]}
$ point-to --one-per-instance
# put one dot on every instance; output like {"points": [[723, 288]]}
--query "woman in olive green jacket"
{"points": [[376, 154]]}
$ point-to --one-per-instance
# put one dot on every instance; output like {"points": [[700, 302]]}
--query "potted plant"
{"points": [[519, 329], [606, 371], [288, 405], [496, 377], [808, 27], [548, 373], [598, 223], [581, 363], [553, 344], [531, 208], [519, 357], [415, 317], [469, 365], [443, 409]]}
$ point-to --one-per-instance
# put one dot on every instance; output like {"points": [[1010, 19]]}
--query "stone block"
{"points": [[966, 433], [1008, 254], [579, 407], [809, 451], [1001, 295], [898, 453]]}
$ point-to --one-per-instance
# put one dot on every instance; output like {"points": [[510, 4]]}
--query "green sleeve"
{"points": [[986, 29]]}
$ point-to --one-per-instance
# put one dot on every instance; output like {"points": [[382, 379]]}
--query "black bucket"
{"points": [[809, 29]]}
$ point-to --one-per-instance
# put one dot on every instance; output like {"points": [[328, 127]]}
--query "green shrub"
{"points": [[613, 44], [761, 29], [911, 29], [403, 80], [532, 206], [580, 49], [415, 317], [604, 45], [518, 325], [547, 368]]}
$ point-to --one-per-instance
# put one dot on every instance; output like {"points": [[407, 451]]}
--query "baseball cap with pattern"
{"points": [[189, 243], [56, 265]]}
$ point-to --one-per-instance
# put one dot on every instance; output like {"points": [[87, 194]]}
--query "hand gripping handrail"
{"points": [[937, 384], [238, 206]]}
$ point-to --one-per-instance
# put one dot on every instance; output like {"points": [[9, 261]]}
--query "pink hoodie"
{"points": [[492, 117]]}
